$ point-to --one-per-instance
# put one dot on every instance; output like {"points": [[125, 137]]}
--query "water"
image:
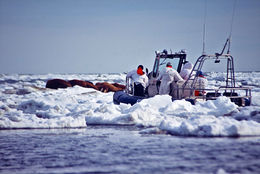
{"points": [[123, 149]]}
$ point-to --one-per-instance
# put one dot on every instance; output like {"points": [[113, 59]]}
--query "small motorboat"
{"points": [[187, 89]]}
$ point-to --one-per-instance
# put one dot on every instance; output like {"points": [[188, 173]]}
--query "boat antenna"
{"points": [[204, 28], [231, 26]]}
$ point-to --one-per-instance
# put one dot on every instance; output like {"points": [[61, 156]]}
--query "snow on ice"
{"points": [[25, 103]]}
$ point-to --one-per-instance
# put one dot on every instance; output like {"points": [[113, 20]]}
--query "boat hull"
{"points": [[123, 97]]}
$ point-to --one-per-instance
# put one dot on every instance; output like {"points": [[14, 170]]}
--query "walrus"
{"points": [[82, 83], [107, 87], [57, 83], [100, 86], [119, 85]]}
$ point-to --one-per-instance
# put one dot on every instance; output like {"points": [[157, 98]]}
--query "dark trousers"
{"points": [[138, 90]]}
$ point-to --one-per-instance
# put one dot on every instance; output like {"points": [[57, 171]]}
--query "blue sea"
{"points": [[122, 149]]}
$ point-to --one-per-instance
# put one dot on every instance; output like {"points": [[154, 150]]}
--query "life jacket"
{"points": [[196, 93], [140, 71]]}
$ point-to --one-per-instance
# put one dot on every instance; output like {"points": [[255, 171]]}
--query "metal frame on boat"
{"points": [[187, 89]]}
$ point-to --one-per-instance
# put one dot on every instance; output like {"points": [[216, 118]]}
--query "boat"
{"points": [[240, 95]]}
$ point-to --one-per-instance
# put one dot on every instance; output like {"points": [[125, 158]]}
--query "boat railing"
{"points": [[236, 94]]}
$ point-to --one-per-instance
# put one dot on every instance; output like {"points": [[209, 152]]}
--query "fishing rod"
{"points": [[228, 41], [204, 28], [231, 25]]}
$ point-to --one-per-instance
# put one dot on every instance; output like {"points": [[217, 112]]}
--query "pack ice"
{"points": [[25, 103]]}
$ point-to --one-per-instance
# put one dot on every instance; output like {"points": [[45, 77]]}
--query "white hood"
{"points": [[188, 65], [186, 70]]}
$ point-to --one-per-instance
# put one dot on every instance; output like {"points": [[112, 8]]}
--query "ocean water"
{"points": [[122, 149], [80, 130]]}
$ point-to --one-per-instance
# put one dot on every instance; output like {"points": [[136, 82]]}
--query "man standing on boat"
{"points": [[140, 80], [167, 76], [186, 70]]}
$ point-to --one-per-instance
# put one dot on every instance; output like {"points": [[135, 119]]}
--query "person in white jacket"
{"points": [[140, 80], [202, 83], [186, 70], [167, 76]]}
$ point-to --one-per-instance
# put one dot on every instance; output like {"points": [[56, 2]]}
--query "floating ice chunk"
{"points": [[222, 105], [221, 171], [157, 101], [210, 126], [256, 100], [248, 113]]}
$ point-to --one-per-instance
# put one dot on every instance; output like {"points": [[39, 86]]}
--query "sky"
{"points": [[111, 36]]}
